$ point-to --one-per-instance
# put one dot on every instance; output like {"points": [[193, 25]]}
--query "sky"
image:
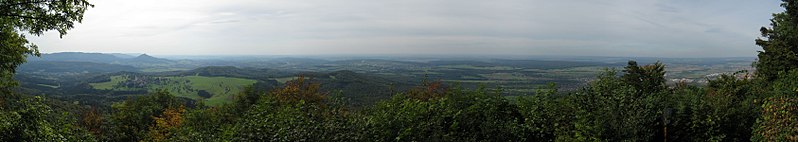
{"points": [[629, 28]]}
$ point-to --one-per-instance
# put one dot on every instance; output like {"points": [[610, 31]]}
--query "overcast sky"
{"points": [[659, 28]]}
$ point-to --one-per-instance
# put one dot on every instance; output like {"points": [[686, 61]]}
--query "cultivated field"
{"points": [[212, 90]]}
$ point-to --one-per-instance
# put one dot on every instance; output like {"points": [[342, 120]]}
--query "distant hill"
{"points": [[126, 56], [77, 57], [72, 67], [142, 60]]}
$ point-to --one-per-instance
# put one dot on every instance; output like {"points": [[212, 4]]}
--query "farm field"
{"points": [[212, 90]]}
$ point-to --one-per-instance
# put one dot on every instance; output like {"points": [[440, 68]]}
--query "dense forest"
{"points": [[629, 104]]}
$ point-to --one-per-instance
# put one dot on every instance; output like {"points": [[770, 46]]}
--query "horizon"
{"points": [[365, 56]]}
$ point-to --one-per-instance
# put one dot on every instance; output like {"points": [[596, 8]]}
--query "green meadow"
{"points": [[222, 89]]}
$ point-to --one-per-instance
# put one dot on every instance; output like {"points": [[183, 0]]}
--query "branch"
{"points": [[21, 16], [52, 23], [29, 2]]}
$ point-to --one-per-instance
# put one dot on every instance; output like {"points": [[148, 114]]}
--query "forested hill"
{"points": [[99, 58], [231, 71], [77, 57], [73, 67], [362, 89]]}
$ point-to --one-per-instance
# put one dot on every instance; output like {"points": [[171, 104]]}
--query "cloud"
{"points": [[670, 28]]}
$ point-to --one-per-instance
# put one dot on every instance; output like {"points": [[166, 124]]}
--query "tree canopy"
{"points": [[779, 43], [32, 17]]}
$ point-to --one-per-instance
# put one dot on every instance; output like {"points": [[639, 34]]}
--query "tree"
{"points": [[33, 120], [131, 119], [20, 17], [611, 108], [778, 67], [646, 79], [299, 90], [779, 43], [166, 125], [547, 115], [299, 111], [207, 124], [430, 113], [92, 120]]}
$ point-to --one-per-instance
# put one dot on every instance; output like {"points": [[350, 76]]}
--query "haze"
{"points": [[660, 28]]}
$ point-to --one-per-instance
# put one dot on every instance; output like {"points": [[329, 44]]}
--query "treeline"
{"points": [[632, 105]]}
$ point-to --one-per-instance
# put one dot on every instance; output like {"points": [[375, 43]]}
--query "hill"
{"points": [[72, 67], [143, 60], [77, 57], [147, 59]]}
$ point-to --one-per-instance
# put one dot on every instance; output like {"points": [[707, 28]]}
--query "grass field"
{"points": [[111, 85], [222, 88]]}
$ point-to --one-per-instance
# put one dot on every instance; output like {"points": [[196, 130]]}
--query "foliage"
{"points": [[296, 112], [33, 120], [299, 91], [779, 43], [547, 115], [166, 124], [611, 109], [779, 112], [18, 17], [696, 115], [779, 120], [456, 115], [429, 91], [92, 120], [14, 48], [131, 120], [646, 79], [207, 124]]}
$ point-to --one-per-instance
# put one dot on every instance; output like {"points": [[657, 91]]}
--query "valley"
{"points": [[100, 79]]}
